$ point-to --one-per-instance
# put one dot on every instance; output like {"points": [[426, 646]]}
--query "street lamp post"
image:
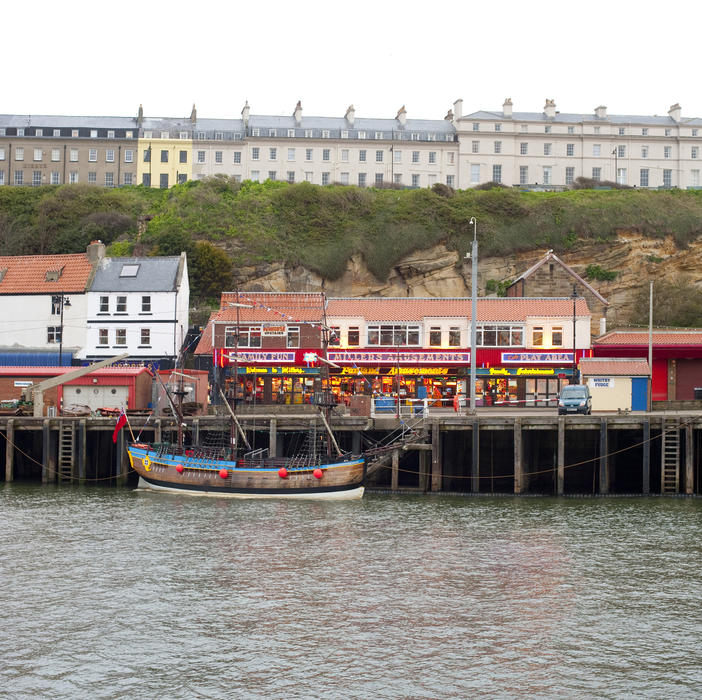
{"points": [[574, 296], [473, 311], [63, 301]]}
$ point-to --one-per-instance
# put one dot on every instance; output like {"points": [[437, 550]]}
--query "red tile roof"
{"points": [[489, 309], [271, 307], [26, 274], [626, 367], [659, 337]]}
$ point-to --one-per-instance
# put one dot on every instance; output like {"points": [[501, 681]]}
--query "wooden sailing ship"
{"points": [[232, 468]]}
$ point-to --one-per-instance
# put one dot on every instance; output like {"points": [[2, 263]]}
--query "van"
{"points": [[575, 398]]}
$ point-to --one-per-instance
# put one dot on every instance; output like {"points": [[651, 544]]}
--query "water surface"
{"points": [[109, 593]]}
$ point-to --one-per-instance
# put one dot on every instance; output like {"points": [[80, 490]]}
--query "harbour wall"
{"points": [[648, 453]]}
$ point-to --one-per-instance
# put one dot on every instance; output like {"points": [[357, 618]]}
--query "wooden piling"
{"points": [[395, 476], [45, 451], [604, 458], [689, 462], [646, 467], [518, 463], [560, 478], [423, 470], [82, 448], [475, 458], [195, 431], [273, 437], [158, 430], [435, 457], [10, 450]]}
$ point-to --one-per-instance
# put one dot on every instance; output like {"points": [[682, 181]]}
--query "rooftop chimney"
{"points": [[95, 251], [458, 108], [350, 115], [298, 113], [245, 114], [674, 112], [550, 109], [507, 108], [601, 112], [140, 117], [402, 116]]}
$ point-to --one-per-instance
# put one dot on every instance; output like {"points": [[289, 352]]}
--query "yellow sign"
{"points": [[418, 370], [530, 370], [498, 370], [359, 370]]}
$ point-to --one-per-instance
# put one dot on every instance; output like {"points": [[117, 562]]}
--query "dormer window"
{"points": [[129, 270], [53, 275]]}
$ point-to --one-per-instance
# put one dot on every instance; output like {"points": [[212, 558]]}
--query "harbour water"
{"points": [[109, 593]]}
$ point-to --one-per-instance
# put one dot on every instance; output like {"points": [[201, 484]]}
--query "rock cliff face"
{"points": [[439, 272]]}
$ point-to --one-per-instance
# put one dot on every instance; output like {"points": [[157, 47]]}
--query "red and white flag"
{"points": [[121, 422]]}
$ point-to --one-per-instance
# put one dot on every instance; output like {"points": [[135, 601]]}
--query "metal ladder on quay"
{"points": [[670, 455], [66, 451]]}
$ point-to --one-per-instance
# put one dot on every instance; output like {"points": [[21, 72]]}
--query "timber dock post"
{"points": [[475, 457], [10, 450], [646, 467], [604, 458], [273, 438], [518, 455], [435, 456], [560, 477]]}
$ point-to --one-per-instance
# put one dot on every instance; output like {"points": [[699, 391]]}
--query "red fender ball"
{"points": [[223, 473], [318, 473], [179, 468], [283, 473]]}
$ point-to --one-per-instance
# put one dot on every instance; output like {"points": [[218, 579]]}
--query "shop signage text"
{"points": [[399, 358], [524, 358], [278, 370], [601, 382], [254, 357], [512, 371], [273, 330]]}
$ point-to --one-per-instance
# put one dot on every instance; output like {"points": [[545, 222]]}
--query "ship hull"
{"points": [[183, 473]]}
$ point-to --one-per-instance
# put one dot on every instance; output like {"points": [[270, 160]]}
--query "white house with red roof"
{"points": [[43, 306]]}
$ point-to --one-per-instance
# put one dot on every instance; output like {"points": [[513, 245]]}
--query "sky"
{"points": [[98, 58]]}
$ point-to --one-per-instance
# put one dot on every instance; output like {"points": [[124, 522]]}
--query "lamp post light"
{"points": [[574, 296], [63, 301], [473, 311]]}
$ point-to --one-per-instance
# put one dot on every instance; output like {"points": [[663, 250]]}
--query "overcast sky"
{"points": [[98, 58]]}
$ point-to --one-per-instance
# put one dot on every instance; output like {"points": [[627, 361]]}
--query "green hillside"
{"points": [[223, 224]]}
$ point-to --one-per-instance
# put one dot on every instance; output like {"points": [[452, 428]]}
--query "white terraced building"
{"points": [[552, 149], [547, 149]]}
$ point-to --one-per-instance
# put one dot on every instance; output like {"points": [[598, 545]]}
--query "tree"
{"points": [[210, 271]]}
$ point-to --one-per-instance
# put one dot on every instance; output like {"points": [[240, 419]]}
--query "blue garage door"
{"points": [[638, 393]]}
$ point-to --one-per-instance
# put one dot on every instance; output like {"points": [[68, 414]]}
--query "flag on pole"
{"points": [[121, 422]]}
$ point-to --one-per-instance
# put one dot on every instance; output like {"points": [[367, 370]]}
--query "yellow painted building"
{"points": [[164, 162]]}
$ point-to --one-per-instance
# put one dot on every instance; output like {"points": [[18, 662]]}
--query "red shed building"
{"points": [[677, 359]]}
